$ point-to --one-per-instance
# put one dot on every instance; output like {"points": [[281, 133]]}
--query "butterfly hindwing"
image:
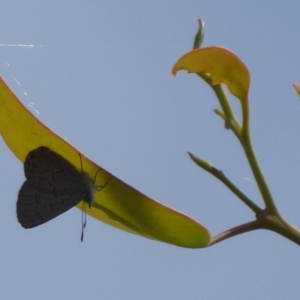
{"points": [[36, 207]]}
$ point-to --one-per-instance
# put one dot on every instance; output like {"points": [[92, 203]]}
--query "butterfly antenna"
{"points": [[83, 219]]}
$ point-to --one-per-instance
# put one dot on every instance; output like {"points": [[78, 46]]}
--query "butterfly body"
{"points": [[53, 186]]}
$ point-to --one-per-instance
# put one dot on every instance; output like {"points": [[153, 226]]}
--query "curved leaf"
{"points": [[118, 204], [223, 66]]}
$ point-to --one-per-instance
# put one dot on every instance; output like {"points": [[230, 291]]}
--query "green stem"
{"points": [[244, 137], [230, 120], [269, 218], [221, 176], [258, 174], [282, 227], [264, 221]]}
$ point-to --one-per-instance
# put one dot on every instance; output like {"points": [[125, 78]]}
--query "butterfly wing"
{"points": [[50, 171], [35, 207], [53, 186]]}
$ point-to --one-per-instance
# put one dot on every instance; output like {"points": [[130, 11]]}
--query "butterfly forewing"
{"points": [[49, 171]]}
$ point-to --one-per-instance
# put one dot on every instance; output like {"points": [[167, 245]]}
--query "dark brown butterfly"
{"points": [[53, 186]]}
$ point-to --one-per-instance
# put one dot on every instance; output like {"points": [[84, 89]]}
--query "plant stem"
{"points": [[253, 225], [266, 221], [269, 218], [221, 176], [282, 227], [230, 121], [258, 174], [243, 135]]}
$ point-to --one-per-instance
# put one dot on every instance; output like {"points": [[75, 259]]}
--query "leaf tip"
{"points": [[297, 88], [174, 70]]}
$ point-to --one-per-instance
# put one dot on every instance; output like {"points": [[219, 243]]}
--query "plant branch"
{"points": [[243, 135], [221, 176], [250, 226], [257, 173], [263, 221], [282, 227], [268, 218], [230, 121]]}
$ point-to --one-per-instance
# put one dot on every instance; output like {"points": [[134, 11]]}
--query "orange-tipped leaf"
{"points": [[223, 66]]}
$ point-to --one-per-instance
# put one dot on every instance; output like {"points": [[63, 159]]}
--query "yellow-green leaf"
{"points": [[223, 66], [118, 204]]}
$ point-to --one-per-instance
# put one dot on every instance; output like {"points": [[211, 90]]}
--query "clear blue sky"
{"points": [[101, 79]]}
